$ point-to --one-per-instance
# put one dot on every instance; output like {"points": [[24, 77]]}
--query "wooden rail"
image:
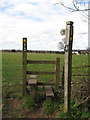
{"points": [[40, 73], [40, 62]]}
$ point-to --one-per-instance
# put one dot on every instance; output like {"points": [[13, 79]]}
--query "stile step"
{"points": [[32, 82], [33, 76], [49, 92]]}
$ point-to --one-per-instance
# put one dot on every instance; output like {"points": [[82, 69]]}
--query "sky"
{"points": [[41, 22]]}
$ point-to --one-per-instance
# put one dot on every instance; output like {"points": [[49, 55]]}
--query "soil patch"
{"points": [[15, 110]]}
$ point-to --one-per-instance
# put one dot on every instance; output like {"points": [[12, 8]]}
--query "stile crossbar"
{"points": [[40, 62], [33, 81], [40, 73]]}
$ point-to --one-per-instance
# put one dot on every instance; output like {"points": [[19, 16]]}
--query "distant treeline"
{"points": [[53, 52], [35, 51]]}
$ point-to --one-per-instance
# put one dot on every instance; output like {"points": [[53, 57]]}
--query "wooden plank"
{"points": [[49, 91], [40, 73], [32, 82], [40, 62], [33, 76]]}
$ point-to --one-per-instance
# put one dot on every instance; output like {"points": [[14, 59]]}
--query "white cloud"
{"points": [[41, 24]]}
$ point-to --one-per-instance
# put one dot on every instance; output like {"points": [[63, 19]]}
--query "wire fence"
{"points": [[83, 72], [79, 74], [77, 71], [81, 67], [12, 83]]}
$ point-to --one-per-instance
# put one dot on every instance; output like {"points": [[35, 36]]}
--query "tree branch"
{"points": [[75, 9]]}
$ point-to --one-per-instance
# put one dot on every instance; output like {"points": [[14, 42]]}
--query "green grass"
{"points": [[12, 68], [44, 67], [75, 112], [50, 106], [12, 71], [31, 103], [77, 61]]}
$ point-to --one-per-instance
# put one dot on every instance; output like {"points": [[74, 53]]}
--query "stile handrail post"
{"points": [[68, 66], [24, 64], [57, 74], [63, 77]]}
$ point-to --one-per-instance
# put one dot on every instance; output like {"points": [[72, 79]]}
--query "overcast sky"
{"points": [[40, 21]]}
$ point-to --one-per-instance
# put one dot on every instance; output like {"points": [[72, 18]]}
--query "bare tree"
{"points": [[81, 6], [77, 5]]}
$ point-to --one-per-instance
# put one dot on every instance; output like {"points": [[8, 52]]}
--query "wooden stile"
{"points": [[33, 74]]}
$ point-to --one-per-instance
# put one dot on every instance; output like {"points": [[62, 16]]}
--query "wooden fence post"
{"points": [[24, 65], [57, 74], [68, 66], [63, 77]]}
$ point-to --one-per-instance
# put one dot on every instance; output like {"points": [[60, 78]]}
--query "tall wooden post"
{"points": [[68, 66], [57, 74], [63, 77], [24, 65]]}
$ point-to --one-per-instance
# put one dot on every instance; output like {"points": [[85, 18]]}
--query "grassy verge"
{"points": [[76, 112]]}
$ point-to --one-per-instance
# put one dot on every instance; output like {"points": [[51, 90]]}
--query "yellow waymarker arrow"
{"points": [[24, 40]]}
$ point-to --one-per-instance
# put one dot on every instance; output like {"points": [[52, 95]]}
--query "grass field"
{"points": [[12, 71], [12, 67]]}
